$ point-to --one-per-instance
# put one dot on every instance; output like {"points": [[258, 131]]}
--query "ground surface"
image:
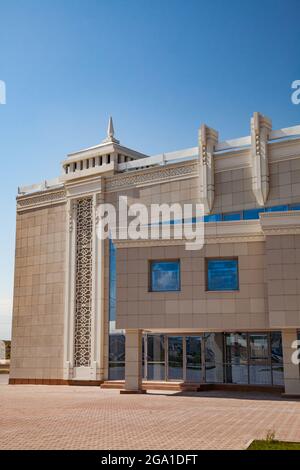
{"points": [[62, 417], [274, 445]]}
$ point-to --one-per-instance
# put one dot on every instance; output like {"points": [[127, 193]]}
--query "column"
{"points": [[291, 371], [133, 362]]}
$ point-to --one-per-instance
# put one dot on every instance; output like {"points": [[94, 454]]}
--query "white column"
{"points": [[133, 362], [97, 327], [69, 290]]}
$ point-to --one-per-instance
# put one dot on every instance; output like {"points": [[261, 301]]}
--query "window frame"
{"points": [[167, 260], [222, 258]]}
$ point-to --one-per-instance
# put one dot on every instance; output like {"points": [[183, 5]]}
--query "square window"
{"points": [[222, 274], [164, 276]]}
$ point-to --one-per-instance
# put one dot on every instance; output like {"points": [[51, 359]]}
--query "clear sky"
{"points": [[159, 67]]}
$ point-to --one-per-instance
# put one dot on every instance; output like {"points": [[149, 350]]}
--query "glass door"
{"points": [[156, 357], [193, 359], [175, 357]]}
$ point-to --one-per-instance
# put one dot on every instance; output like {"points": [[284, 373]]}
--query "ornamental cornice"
{"points": [[150, 176], [283, 231], [41, 199], [172, 242], [220, 232], [246, 231], [280, 223]]}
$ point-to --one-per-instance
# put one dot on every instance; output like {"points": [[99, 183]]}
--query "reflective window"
{"points": [[294, 207], [232, 216], [260, 373], [277, 358], [258, 346], [116, 357], [165, 276], [222, 274], [156, 357], [250, 214], [213, 218], [236, 348], [259, 366], [193, 359], [236, 357], [214, 358], [277, 208], [175, 357]]}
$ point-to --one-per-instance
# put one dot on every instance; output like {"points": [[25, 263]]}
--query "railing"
{"points": [[192, 153], [46, 184], [285, 133], [161, 159]]}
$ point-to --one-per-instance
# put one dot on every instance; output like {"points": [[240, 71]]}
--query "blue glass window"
{"points": [[213, 218], [116, 357], [232, 216], [222, 274], [294, 207], [165, 276], [277, 208], [250, 214]]}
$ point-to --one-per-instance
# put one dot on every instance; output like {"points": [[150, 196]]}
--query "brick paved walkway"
{"points": [[61, 417]]}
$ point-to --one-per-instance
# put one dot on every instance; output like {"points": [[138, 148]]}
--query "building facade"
{"points": [[4, 354], [99, 311]]}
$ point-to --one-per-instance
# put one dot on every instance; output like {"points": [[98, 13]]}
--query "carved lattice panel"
{"points": [[83, 296]]}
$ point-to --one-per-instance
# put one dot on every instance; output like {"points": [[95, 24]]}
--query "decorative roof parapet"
{"points": [[42, 198]]}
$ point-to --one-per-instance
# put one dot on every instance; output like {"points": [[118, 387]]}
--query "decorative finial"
{"points": [[110, 128], [110, 133]]}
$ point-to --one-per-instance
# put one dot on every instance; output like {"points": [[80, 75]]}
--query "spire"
{"points": [[110, 133], [110, 129]]}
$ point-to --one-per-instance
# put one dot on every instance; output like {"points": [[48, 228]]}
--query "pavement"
{"points": [[71, 417]]}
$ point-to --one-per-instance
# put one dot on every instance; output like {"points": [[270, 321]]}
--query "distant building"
{"points": [[148, 311], [4, 352]]}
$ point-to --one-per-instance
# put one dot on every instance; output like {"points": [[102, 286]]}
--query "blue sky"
{"points": [[159, 67]]}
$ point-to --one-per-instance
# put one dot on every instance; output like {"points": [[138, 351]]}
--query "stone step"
{"points": [[151, 385]]}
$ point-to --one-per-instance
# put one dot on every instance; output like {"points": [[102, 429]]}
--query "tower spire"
{"points": [[110, 133], [110, 128]]}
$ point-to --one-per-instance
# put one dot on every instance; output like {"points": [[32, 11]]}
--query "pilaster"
{"points": [[208, 139], [133, 364], [261, 127]]}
